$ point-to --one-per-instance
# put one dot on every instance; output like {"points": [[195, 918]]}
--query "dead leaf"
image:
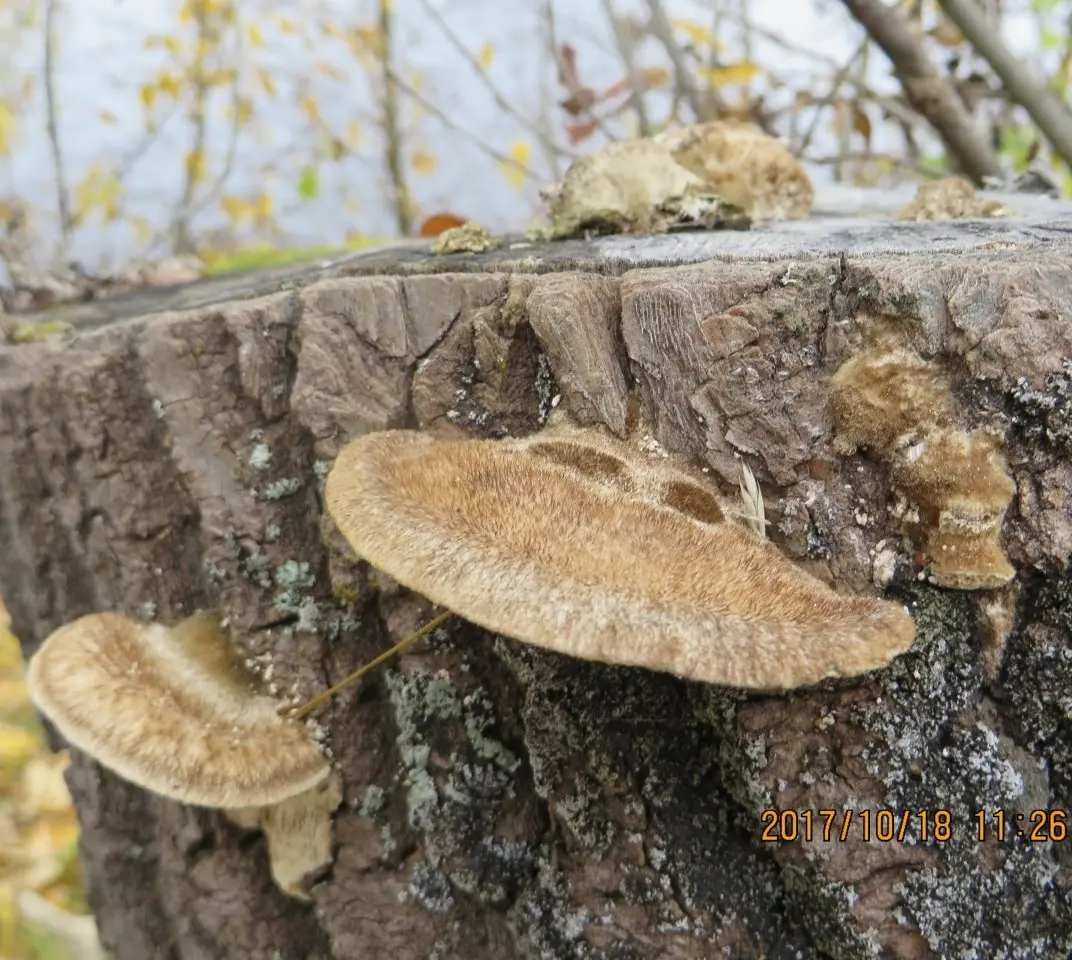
{"points": [[740, 72], [861, 123], [578, 132], [434, 225], [580, 102]]}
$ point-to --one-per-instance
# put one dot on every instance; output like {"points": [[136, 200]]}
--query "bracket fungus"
{"points": [[173, 711], [580, 543], [955, 482], [298, 833]]}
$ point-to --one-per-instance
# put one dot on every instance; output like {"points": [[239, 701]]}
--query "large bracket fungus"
{"points": [[173, 711], [580, 543]]}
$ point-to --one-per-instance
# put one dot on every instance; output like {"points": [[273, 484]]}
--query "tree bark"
{"points": [[505, 802]]}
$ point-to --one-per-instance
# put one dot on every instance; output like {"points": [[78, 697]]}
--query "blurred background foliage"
{"points": [[141, 130]]}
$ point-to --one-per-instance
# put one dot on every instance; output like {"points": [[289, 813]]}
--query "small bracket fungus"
{"points": [[298, 833], [956, 483], [580, 543], [171, 710]]}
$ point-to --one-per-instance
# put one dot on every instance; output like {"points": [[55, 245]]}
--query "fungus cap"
{"points": [[580, 543], [172, 711]]}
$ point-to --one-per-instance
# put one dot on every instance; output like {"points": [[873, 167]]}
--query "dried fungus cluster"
{"points": [[569, 539], [654, 184], [954, 483]]}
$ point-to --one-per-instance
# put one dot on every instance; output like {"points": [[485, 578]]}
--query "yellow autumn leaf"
{"points": [[9, 921], [262, 207], [169, 84], [520, 152], [696, 32], [99, 189], [148, 95], [7, 126], [245, 111], [740, 72], [423, 162], [143, 230], [10, 654], [310, 107], [236, 208], [287, 26], [266, 81], [195, 165], [254, 35], [14, 697], [17, 745], [43, 789], [487, 54], [329, 70]]}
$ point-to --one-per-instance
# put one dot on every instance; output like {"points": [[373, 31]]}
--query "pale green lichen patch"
{"points": [[457, 801], [280, 489], [372, 801], [1045, 415], [260, 457]]}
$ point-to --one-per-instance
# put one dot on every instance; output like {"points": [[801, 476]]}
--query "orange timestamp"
{"points": [[927, 826], [882, 825]]}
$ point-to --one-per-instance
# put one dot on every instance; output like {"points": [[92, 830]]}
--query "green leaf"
{"points": [[308, 184]]}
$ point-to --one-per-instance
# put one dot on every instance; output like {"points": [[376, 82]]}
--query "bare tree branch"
{"points": [[182, 241], [926, 90], [427, 104], [831, 97], [1050, 114], [702, 106], [551, 150], [624, 43], [63, 197], [566, 73], [392, 129]]}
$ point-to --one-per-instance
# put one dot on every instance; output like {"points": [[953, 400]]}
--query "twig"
{"points": [[63, 198], [624, 43], [461, 131], [320, 698], [1050, 113], [551, 149], [928, 92], [547, 100], [391, 128], [564, 71], [831, 97], [182, 242], [686, 83]]}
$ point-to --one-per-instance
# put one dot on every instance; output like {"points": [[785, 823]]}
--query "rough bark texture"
{"points": [[501, 801]]}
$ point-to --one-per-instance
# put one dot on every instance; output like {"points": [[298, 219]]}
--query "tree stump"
{"points": [[505, 802]]}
